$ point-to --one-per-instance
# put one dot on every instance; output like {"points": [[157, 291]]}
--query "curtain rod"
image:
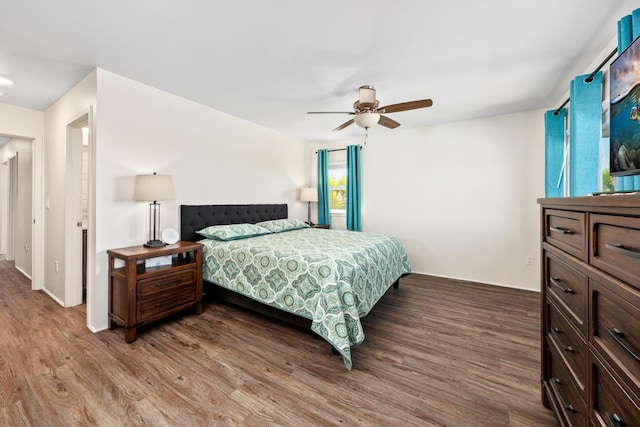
{"points": [[339, 149], [589, 78]]}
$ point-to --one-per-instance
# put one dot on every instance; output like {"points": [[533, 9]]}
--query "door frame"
{"points": [[12, 201], [73, 211], [37, 207]]}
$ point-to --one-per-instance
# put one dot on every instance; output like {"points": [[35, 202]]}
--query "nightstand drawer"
{"points": [[167, 301], [566, 231], [152, 287], [616, 334], [569, 287], [615, 247]]}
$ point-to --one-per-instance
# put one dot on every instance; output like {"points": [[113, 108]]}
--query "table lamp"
{"points": [[309, 194], [151, 188]]}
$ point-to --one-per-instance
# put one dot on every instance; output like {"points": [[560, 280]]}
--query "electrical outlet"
{"points": [[528, 260]]}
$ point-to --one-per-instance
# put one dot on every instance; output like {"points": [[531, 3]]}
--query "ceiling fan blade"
{"points": [[344, 125], [404, 106], [387, 122], [330, 112]]}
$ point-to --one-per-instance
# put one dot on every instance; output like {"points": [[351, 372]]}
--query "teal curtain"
{"points": [[625, 33], [354, 197], [554, 131], [628, 31], [324, 215], [585, 121]]}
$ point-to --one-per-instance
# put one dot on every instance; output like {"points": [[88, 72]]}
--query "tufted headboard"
{"points": [[197, 217]]}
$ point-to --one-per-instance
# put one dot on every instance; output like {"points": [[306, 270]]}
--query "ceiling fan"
{"points": [[367, 113]]}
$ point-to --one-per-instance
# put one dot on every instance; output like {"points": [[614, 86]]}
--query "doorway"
{"points": [[77, 223], [16, 180], [21, 204]]}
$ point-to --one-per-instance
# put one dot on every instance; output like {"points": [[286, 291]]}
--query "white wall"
{"points": [[460, 196], [67, 109], [18, 121], [213, 158]]}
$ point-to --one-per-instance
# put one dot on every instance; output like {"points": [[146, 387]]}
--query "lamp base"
{"points": [[154, 244]]}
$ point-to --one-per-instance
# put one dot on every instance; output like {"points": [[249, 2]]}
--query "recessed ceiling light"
{"points": [[5, 81]]}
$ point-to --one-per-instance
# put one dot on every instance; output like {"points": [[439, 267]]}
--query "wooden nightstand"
{"points": [[139, 295], [327, 226]]}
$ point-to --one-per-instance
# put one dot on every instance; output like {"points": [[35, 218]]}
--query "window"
{"points": [[337, 187]]}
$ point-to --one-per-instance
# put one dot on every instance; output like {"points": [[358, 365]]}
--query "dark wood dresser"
{"points": [[590, 332]]}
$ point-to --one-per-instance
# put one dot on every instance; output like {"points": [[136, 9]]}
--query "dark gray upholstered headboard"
{"points": [[197, 217]]}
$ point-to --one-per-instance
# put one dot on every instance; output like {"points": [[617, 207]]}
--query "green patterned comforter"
{"points": [[332, 277]]}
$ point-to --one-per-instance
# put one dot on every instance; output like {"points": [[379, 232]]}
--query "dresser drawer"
{"points": [[615, 247], [570, 347], [611, 404], [566, 230], [616, 330], [569, 287], [153, 286], [570, 402], [166, 301]]}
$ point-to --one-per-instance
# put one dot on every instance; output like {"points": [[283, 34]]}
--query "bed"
{"points": [[328, 279]]}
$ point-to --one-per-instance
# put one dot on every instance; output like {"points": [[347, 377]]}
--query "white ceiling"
{"points": [[270, 62]]}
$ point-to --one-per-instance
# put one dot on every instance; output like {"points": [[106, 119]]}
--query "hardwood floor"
{"points": [[437, 353]]}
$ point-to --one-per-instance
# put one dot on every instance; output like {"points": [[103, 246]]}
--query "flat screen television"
{"points": [[624, 126]]}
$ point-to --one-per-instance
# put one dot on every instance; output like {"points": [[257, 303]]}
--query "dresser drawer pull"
{"points": [[568, 348], [554, 281], [622, 250], [164, 304], [618, 336], [167, 284], [566, 406], [615, 419], [561, 230]]}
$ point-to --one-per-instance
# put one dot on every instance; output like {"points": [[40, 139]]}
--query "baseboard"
{"points": [[53, 297], [96, 329], [458, 279], [24, 273]]}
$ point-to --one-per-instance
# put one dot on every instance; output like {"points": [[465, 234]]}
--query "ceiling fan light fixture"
{"points": [[367, 112], [366, 119], [367, 95]]}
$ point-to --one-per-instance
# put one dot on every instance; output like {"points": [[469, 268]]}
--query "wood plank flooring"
{"points": [[437, 353]]}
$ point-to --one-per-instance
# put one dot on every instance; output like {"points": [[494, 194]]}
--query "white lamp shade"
{"points": [[151, 188], [309, 194], [366, 119]]}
